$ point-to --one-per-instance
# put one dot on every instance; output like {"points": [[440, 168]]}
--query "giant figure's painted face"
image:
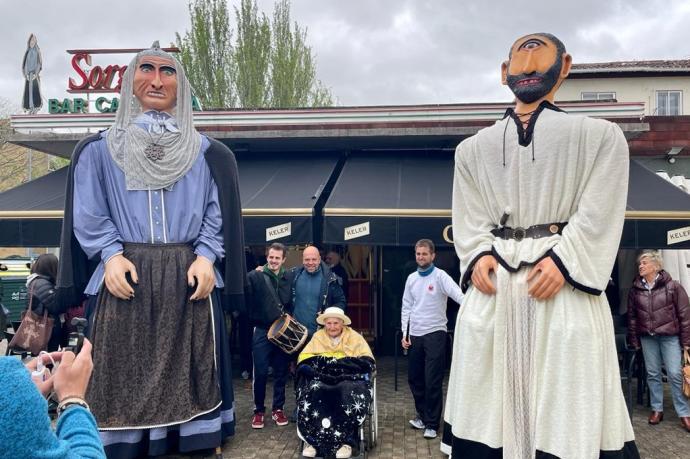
{"points": [[155, 83], [535, 68]]}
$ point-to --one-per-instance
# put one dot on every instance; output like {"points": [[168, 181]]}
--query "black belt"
{"points": [[533, 232]]}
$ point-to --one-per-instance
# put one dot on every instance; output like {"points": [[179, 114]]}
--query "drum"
{"points": [[288, 334]]}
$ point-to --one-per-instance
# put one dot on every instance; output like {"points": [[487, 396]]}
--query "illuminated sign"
{"points": [[89, 79]]}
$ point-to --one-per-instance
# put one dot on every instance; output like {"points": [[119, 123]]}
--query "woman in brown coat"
{"points": [[659, 321]]}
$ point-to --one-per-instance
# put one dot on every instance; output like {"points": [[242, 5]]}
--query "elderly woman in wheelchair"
{"points": [[334, 387]]}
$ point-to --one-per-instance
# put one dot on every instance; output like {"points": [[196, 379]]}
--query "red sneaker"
{"points": [[258, 421], [279, 417]]}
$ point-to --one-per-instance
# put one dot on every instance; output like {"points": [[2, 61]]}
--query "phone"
{"points": [[76, 339]]}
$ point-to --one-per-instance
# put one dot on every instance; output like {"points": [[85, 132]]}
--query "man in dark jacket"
{"points": [[269, 292], [333, 261], [314, 288]]}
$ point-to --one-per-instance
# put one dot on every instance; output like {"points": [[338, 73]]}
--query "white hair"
{"points": [[652, 255]]}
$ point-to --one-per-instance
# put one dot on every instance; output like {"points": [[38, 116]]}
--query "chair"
{"points": [[626, 364]]}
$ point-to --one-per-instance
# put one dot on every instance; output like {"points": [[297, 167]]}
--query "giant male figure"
{"points": [[538, 209], [153, 235]]}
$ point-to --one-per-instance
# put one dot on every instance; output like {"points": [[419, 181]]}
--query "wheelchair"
{"points": [[368, 431]]}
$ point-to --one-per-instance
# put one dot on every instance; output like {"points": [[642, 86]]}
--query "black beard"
{"points": [[533, 93]]}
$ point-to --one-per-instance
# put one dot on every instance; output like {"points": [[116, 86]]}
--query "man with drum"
{"points": [[268, 295]]}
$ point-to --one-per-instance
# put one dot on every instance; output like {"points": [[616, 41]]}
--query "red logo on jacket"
{"points": [[431, 288]]}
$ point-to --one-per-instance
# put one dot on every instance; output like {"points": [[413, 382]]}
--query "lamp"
{"points": [[671, 154]]}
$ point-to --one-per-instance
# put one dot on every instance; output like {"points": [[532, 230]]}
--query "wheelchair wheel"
{"points": [[372, 423]]}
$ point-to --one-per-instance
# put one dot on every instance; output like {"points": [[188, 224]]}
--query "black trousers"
{"points": [[426, 366]]}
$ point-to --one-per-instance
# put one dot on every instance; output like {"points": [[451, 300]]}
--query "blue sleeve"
{"points": [[209, 243], [77, 428], [25, 429], [93, 225]]}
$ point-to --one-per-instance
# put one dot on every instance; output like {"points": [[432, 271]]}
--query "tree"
{"points": [[206, 53], [252, 56], [270, 64], [293, 69]]}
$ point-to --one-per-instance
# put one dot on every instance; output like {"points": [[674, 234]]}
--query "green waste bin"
{"points": [[14, 295]]}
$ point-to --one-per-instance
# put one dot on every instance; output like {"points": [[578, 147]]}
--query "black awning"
{"points": [[657, 214], [397, 200], [387, 199], [42, 194], [31, 214], [279, 193]]}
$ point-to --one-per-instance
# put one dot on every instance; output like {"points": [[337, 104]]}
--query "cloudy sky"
{"points": [[369, 52]]}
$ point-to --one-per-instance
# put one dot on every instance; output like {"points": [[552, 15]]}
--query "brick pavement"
{"points": [[398, 440]]}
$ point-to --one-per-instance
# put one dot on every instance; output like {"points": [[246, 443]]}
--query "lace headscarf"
{"points": [[127, 142]]}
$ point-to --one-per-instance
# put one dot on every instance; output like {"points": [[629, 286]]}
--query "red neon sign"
{"points": [[97, 78]]}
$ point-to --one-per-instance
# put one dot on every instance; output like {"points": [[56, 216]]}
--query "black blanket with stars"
{"points": [[333, 399]]}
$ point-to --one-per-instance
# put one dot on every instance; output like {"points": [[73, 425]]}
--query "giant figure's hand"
{"points": [[202, 271], [548, 283], [72, 376], [481, 274], [406, 343], [115, 280]]}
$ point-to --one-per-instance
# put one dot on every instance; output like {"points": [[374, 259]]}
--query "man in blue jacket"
{"points": [[314, 288]]}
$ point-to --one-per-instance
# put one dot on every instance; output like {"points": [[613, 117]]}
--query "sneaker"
{"points": [[258, 421], [308, 451], [344, 452], [417, 423], [279, 417], [430, 433], [245, 375]]}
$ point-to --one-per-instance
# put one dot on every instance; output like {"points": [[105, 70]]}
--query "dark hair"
{"points": [[426, 243], [560, 47], [279, 247], [46, 265]]}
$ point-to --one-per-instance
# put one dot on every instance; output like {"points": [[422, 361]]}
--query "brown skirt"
{"points": [[154, 362]]}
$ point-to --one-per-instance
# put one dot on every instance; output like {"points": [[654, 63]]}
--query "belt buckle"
{"points": [[519, 233]]}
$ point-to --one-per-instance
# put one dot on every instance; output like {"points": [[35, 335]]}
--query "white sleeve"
{"points": [[472, 223], [586, 252], [407, 303], [451, 288]]}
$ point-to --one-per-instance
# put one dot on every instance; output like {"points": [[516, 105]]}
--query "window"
{"points": [[668, 103], [605, 95]]}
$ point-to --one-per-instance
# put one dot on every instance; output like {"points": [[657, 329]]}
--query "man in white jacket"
{"points": [[423, 321]]}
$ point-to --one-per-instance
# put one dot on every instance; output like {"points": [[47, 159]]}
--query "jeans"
{"points": [[266, 353], [667, 350]]}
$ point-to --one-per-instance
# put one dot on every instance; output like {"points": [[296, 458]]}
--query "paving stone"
{"points": [[397, 439]]}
